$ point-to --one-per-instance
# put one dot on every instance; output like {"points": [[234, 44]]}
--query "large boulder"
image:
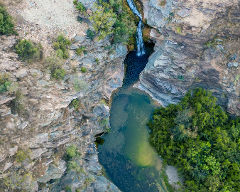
{"points": [[53, 172]]}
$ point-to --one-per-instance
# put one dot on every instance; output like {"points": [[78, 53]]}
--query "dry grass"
{"points": [[163, 3]]}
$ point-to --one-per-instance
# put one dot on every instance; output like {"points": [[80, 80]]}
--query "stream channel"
{"points": [[128, 159]]}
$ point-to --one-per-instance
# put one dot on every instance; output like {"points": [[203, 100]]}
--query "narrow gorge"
{"points": [[73, 115]]}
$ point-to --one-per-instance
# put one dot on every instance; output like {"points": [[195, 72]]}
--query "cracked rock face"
{"points": [[195, 55], [53, 172], [35, 141]]}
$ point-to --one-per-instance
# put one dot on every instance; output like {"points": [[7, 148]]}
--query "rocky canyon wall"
{"points": [[33, 141], [196, 46]]}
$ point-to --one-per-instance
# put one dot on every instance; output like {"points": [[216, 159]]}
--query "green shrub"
{"points": [[81, 50], [4, 82], [199, 138], [4, 87], [90, 34], [75, 2], [6, 25], [21, 155], [29, 51], [80, 7], [76, 104], [79, 19], [68, 188], [55, 67], [179, 29], [163, 3], [84, 69], [71, 151], [73, 166], [114, 19], [61, 47], [59, 74]]}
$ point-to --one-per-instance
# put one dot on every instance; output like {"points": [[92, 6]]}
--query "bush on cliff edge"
{"points": [[6, 24]]}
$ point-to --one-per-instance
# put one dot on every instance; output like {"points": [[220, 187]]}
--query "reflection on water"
{"points": [[128, 159], [130, 162]]}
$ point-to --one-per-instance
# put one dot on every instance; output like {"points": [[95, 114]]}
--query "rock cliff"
{"points": [[33, 142], [196, 46]]}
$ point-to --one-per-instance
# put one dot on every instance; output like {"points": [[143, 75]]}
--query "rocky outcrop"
{"points": [[34, 137], [197, 47]]}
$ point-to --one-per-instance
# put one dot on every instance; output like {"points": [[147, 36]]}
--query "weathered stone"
{"points": [[101, 111], [53, 172], [4, 98], [120, 51], [2, 156], [16, 139], [34, 186], [13, 151], [36, 73], [10, 125], [79, 39], [232, 64], [173, 176], [44, 190], [7, 166], [155, 18], [37, 153], [41, 138], [87, 63], [23, 125], [184, 12], [22, 73], [73, 47], [102, 184], [43, 83], [55, 134], [87, 3]]}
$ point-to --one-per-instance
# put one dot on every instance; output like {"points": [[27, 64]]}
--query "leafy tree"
{"points": [[6, 24], [113, 19], [103, 21], [198, 137]]}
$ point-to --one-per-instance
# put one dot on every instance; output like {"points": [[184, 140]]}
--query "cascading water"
{"points": [[140, 44]]}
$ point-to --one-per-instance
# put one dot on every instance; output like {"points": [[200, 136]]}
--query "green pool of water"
{"points": [[128, 159]]}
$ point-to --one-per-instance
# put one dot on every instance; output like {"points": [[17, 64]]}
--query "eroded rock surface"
{"points": [[199, 49], [34, 137]]}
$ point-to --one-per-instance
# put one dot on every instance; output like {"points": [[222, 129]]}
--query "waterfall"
{"points": [[140, 43]]}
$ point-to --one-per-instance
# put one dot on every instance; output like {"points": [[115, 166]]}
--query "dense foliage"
{"points": [[112, 18], [6, 25], [199, 138], [29, 51], [90, 34], [61, 45]]}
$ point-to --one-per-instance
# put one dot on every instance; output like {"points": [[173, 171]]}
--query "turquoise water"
{"points": [[128, 159]]}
